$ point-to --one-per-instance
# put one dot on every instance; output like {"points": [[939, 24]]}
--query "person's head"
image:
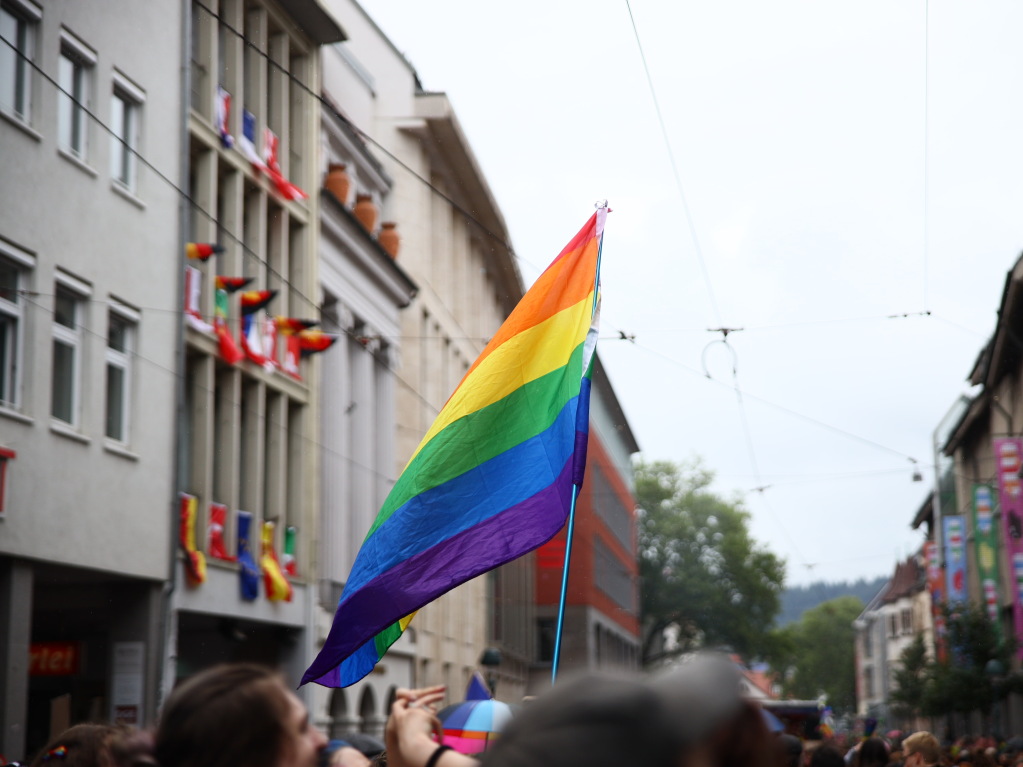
{"points": [[873, 752], [237, 715], [590, 721], [826, 755], [919, 749], [713, 724], [84, 745], [790, 749]]}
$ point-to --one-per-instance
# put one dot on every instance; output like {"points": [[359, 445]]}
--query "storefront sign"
{"points": [[54, 658], [126, 687]]}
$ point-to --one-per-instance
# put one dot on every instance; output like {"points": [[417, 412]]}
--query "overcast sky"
{"points": [[839, 166]]}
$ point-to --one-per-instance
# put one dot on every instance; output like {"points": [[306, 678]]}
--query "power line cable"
{"points": [[675, 172]]}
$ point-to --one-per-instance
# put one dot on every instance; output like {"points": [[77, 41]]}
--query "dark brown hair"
{"points": [[227, 716], [743, 741], [84, 745]]}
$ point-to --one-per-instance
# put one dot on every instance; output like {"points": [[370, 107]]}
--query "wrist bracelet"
{"points": [[435, 756]]}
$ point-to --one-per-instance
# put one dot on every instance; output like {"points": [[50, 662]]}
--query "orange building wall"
{"points": [[582, 588]]}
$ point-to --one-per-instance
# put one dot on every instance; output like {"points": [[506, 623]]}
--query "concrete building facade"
{"points": [[88, 337]]}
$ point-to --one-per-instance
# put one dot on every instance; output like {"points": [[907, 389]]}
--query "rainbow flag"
{"points": [[493, 477]]}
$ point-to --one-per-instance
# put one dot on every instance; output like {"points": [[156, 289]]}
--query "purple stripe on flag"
{"points": [[419, 580]]}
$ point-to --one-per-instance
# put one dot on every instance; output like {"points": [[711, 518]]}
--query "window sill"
{"points": [[119, 449], [127, 194], [82, 165], [14, 415], [69, 431], [23, 126]]}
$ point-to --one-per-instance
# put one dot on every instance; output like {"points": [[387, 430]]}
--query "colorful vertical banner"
{"points": [[195, 560], [249, 571], [955, 559], [215, 544], [935, 585], [1008, 460], [985, 541]]}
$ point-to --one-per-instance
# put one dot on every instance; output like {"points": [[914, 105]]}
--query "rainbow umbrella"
{"points": [[469, 726]]}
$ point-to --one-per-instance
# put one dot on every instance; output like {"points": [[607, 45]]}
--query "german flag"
{"points": [[202, 250], [254, 300], [232, 284], [288, 326], [314, 341]]}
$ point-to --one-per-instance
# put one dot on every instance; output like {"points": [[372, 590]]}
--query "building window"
{"points": [[121, 334], [907, 621], [18, 24], [6, 456], [125, 125], [11, 331], [893, 625], [868, 682], [67, 353], [74, 75], [868, 641], [545, 631]]}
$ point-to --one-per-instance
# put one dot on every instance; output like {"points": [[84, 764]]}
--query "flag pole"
{"points": [[564, 585], [559, 630]]}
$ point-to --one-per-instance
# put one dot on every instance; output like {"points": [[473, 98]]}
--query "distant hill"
{"points": [[798, 599]]}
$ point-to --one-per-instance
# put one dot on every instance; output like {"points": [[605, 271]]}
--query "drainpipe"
{"points": [[169, 636]]}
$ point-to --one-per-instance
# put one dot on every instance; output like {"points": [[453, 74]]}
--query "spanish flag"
{"points": [[313, 341], [202, 250], [195, 560], [232, 284], [278, 588], [254, 300]]}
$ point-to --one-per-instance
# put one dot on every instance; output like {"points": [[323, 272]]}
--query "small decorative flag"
{"points": [[455, 513], [195, 561], [223, 113], [290, 325], [313, 341], [288, 556], [193, 294], [202, 250], [477, 689], [215, 545], [249, 569], [247, 142], [228, 348], [270, 341], [272, 167], [278, 588], [292, 355], [252, 342], [254, 300], [232, 284]]}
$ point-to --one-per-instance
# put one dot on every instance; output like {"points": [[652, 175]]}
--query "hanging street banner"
{"points": [[955, 560], [985, 541], [1008, 460], [935, 585]]}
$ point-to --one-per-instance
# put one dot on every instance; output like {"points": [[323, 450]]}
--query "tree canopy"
{"points": [[817, 654], [701, 570]]}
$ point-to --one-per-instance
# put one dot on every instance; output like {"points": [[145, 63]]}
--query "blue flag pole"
{"points": [[564, 585]]}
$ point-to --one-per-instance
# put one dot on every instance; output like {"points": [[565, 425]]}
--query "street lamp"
{"points": [[490, 660], [994, 669]]}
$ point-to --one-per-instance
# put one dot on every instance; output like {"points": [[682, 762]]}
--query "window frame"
{"points": [[73, 135], [27, 16], [6, 456], [13, 365], [123, 160], [74, 338], [124, 360]]}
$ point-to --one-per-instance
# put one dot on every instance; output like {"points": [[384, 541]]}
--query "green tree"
{"points": [[701, 571], [911, 677], [818, 654]]}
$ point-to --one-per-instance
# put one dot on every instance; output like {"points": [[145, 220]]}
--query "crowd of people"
{"points": [[244, 715]]}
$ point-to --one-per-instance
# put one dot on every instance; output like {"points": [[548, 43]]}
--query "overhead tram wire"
{"points": [[749, 443], [782, 408], [675, 173]]}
